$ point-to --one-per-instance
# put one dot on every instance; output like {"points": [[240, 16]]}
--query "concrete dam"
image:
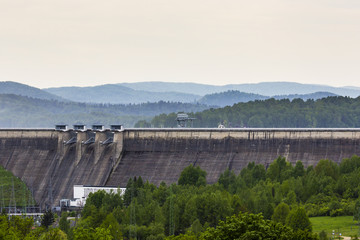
{"points": [[50, 162]]}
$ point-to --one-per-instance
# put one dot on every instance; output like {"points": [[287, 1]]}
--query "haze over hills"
{"points": [[231, 97], [352, 87], [264, 88], [155, 91], [314, 96], [117, 94], [20, 111], [33, 107], [141, 92], [26, 90]]}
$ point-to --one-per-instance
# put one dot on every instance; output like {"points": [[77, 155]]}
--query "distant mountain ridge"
{"points": [[229, 98], [9, 87], [117, 94], [263, 88], [178, 92], [314, 96], [232, 97]]}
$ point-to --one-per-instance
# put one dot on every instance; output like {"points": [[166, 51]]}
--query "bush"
{"points": [[337, 212]]}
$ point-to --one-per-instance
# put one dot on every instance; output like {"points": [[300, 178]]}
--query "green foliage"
{"points": [[14, 227], [280, 213], [299, 170], [64, 224], [323, 235], [250, 226], [113, 226], [279, 170], [298, 220], [53, 234], [92, 234], [328, 168], [47, 219], [192, 176], [227, 179], [348, 165]]}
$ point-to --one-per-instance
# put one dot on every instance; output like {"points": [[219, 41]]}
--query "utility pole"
{"points": [[12, 202], [2, 199], [50, 193], [24, 200], [171, 213], [132, 232]]}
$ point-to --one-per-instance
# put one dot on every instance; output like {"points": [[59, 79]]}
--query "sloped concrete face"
{"points": [[50, 167], [161, 155]]}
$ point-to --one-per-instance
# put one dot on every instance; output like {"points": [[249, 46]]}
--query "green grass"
{"points": [[21, 192], [342, 224]]}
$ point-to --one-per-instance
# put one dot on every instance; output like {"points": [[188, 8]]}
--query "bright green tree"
{"points": [[53, 234], [298, 220], [251, 226], [64, 224], [280, 213]]}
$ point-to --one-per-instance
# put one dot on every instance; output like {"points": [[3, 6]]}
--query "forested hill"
{"points": [[229, 98], [19, 111], [334, 112]]}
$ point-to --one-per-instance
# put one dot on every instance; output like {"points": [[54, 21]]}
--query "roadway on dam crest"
{"points": [[50, 167]]}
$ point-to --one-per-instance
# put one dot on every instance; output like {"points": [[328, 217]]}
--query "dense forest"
{"points": [[258, 203], [20, 111], [330, 112]]}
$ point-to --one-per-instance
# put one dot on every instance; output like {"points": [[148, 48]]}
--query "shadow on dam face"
{"points": [[50, 162]]}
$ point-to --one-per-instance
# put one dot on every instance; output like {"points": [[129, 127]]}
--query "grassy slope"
{"points": [[21, 192], [342, 224]]}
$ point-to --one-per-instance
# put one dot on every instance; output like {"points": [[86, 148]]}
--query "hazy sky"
{"points": [[46, 43]]}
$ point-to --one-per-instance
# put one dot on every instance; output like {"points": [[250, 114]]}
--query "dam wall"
{"points": [[50, 167], [160, 154], [50, 162]]}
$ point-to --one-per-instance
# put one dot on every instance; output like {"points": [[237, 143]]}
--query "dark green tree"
{"points": [[47, 219], [192, 176], [299, 169], [279, 170], [323, 235], [227, 179]]}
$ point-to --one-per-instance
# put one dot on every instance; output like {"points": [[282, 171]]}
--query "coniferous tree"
{"points": [[47, 219]]}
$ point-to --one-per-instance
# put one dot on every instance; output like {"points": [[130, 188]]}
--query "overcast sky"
{"points": [[47, 43]]}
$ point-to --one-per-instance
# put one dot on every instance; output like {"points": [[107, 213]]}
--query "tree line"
{"points": [[330, 112]]}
